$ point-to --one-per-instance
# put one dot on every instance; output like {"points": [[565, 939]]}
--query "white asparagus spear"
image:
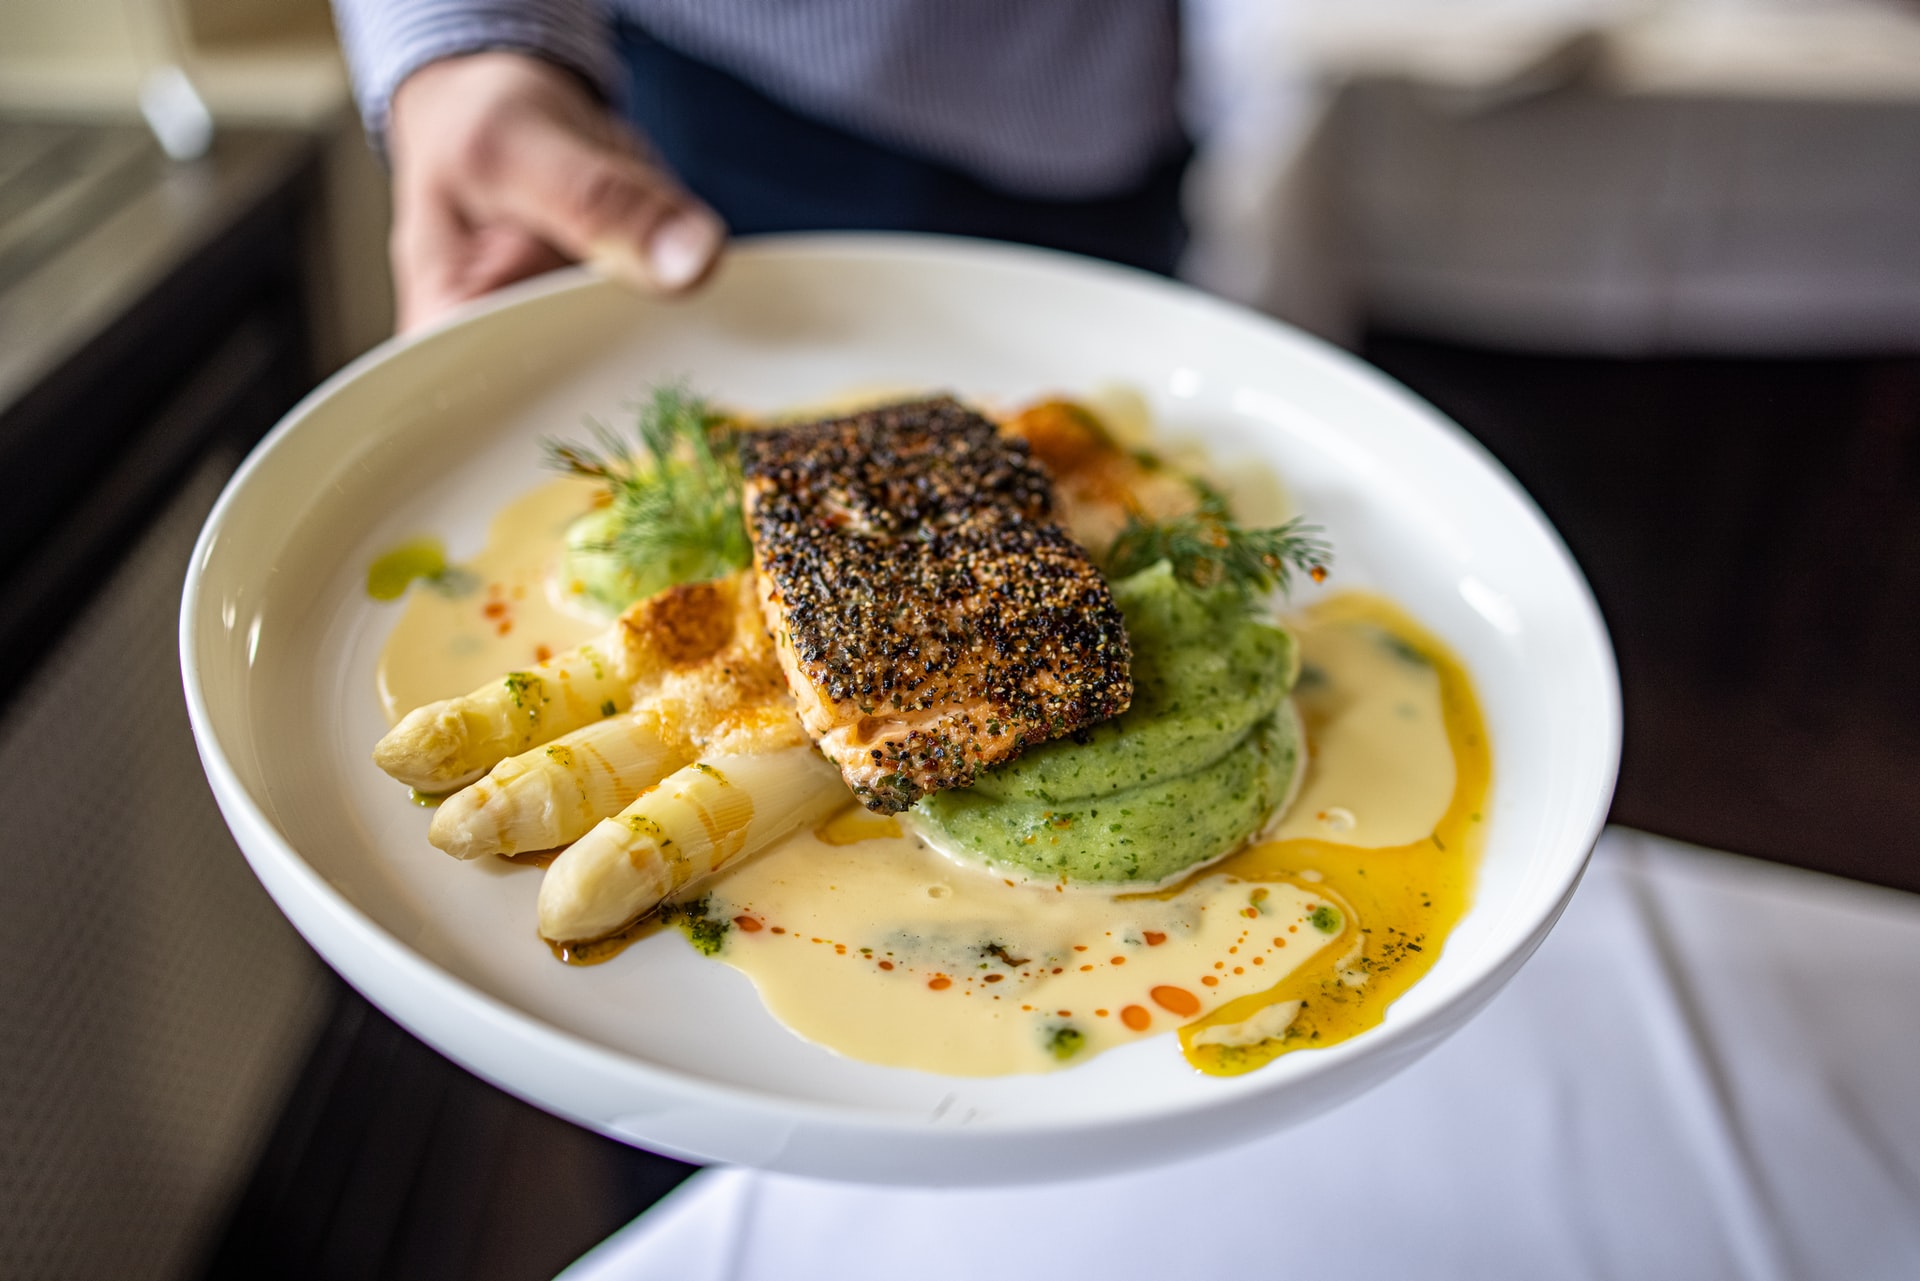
{"points": [[448, 744], [554, 794], [695, 822]]}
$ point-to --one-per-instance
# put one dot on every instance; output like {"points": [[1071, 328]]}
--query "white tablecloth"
{"points": [[1710, 1069]]}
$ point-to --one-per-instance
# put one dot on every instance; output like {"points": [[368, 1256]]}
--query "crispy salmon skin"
{"points": [[932, 618]]}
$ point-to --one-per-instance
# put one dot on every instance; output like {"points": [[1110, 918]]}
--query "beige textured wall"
{"points": [[62, 52]]}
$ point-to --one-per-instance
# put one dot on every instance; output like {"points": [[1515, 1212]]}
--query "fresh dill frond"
{"points": [[1209, 549], [673, 512]]}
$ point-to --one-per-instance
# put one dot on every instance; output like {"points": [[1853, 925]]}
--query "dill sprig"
{"points": [[1209, 549], [675, 501]]}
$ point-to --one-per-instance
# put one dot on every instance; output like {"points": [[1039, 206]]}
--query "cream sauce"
{"points": [[1401, 901], [1379, 768], [885, 951], [505, 609], [889, 953]]}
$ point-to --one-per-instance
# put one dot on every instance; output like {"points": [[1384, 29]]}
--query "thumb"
{"points": [[594, 199]]}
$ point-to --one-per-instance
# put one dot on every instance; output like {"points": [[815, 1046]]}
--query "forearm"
{"points": [[388, 40]]}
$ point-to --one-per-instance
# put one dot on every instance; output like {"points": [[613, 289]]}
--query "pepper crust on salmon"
{"points": [[932, 618]]}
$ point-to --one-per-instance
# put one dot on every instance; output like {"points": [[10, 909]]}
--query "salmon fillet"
{"points": [[931, 617]]}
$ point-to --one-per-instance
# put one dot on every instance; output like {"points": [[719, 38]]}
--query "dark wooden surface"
{"points": [[391, 1163], [1751, 529]]}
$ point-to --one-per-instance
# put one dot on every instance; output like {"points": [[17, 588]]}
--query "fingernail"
{"points": [[681, 249], [616, 258]]}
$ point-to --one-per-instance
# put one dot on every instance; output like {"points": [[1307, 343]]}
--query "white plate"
{"points": [[672, 1051]]}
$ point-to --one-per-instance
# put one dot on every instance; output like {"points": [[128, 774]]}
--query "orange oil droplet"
{"points": [[1175, 1000], [750, 924], [1118, 960], [886, 965], [1136, 1017], [1154, 938], [939, 982], [1209, 980]]}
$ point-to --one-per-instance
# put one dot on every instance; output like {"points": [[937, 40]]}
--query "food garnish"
{"points": [[1209, 549], [1132, 510], [706, 932], [673, 511], [417, 558]]}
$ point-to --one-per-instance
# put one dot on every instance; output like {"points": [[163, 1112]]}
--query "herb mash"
{"points": [[1208, 752]]}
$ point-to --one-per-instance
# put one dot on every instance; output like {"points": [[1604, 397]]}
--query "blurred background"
{"points": [[1660, 257]]}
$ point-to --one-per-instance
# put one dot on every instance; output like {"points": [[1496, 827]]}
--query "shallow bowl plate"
{"points": [[433, 433]]}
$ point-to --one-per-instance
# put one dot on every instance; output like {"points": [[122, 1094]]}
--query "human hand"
{"points": [[505, 166]]}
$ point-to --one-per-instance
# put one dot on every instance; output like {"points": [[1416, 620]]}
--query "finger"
{"points": [[501, 255], [426, 249], [598, 201], [441, 260]]}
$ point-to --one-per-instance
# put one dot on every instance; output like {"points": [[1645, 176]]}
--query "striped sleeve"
{"points": [[388, 40]]}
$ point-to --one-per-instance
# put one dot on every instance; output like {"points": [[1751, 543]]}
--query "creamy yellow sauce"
{"points": [[504, 610], [863, 939], [1403, 899], [889, 953], [1380, 770]]}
